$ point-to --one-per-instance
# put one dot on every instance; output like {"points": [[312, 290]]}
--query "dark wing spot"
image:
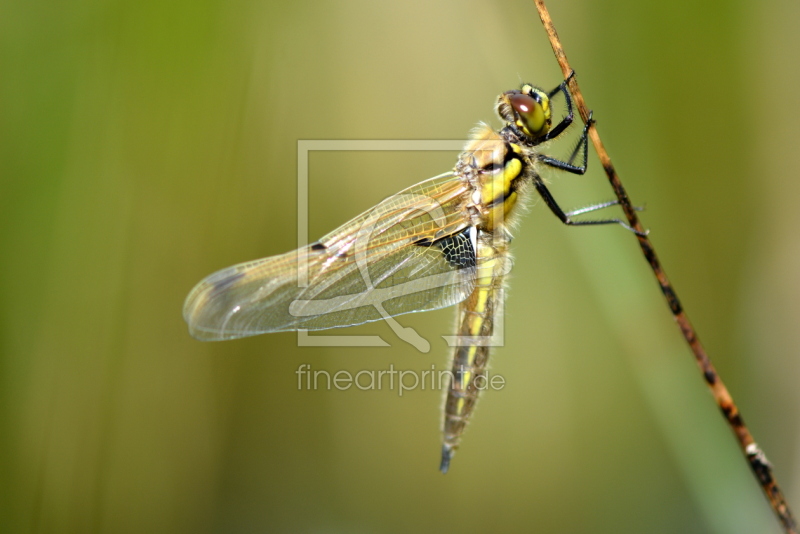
{"points": [[317, 246], [457, 249]]}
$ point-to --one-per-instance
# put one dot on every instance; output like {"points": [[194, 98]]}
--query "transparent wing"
{"points": [[412, 252]]}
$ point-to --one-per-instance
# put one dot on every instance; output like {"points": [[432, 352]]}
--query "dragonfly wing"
{"points": [[412, 252]]}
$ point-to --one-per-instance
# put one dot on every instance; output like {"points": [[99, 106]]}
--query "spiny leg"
{"points": [[566, 217], [583, 144], [598, 206], [559, 128]]}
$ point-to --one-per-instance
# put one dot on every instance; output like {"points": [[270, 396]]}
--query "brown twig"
{"points": [[755, 457]]}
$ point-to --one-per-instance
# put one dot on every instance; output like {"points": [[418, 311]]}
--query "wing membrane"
{"points": [[409, 253]]}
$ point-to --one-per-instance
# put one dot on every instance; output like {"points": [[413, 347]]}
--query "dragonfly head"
{"points": [[527, 110]]}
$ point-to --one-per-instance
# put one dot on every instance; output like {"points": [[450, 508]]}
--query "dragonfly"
{"points": [[441, 242]]}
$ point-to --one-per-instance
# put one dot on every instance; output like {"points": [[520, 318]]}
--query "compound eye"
{"points": [[530, 114]]}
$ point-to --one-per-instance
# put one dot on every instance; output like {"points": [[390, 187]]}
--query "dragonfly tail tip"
{"points": [[447, 454]]}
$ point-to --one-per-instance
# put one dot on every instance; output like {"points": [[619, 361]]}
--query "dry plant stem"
{"points": [[755, 457]]}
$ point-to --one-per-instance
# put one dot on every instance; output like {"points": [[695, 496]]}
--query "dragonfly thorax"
{"points": [[494, 167]]}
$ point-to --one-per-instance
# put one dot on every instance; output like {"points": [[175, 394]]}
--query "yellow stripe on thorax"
{"points": [[498, 193]]}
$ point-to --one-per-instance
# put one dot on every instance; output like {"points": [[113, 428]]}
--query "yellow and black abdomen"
{"points": [[475, 329]]}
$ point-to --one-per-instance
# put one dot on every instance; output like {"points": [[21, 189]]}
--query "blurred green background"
{"points": [[145, 144]]}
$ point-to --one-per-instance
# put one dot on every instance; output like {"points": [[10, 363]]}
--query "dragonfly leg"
{"points": [[559, 128], [562, 86], [566, 217], [569, 166], [595, 207]]}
